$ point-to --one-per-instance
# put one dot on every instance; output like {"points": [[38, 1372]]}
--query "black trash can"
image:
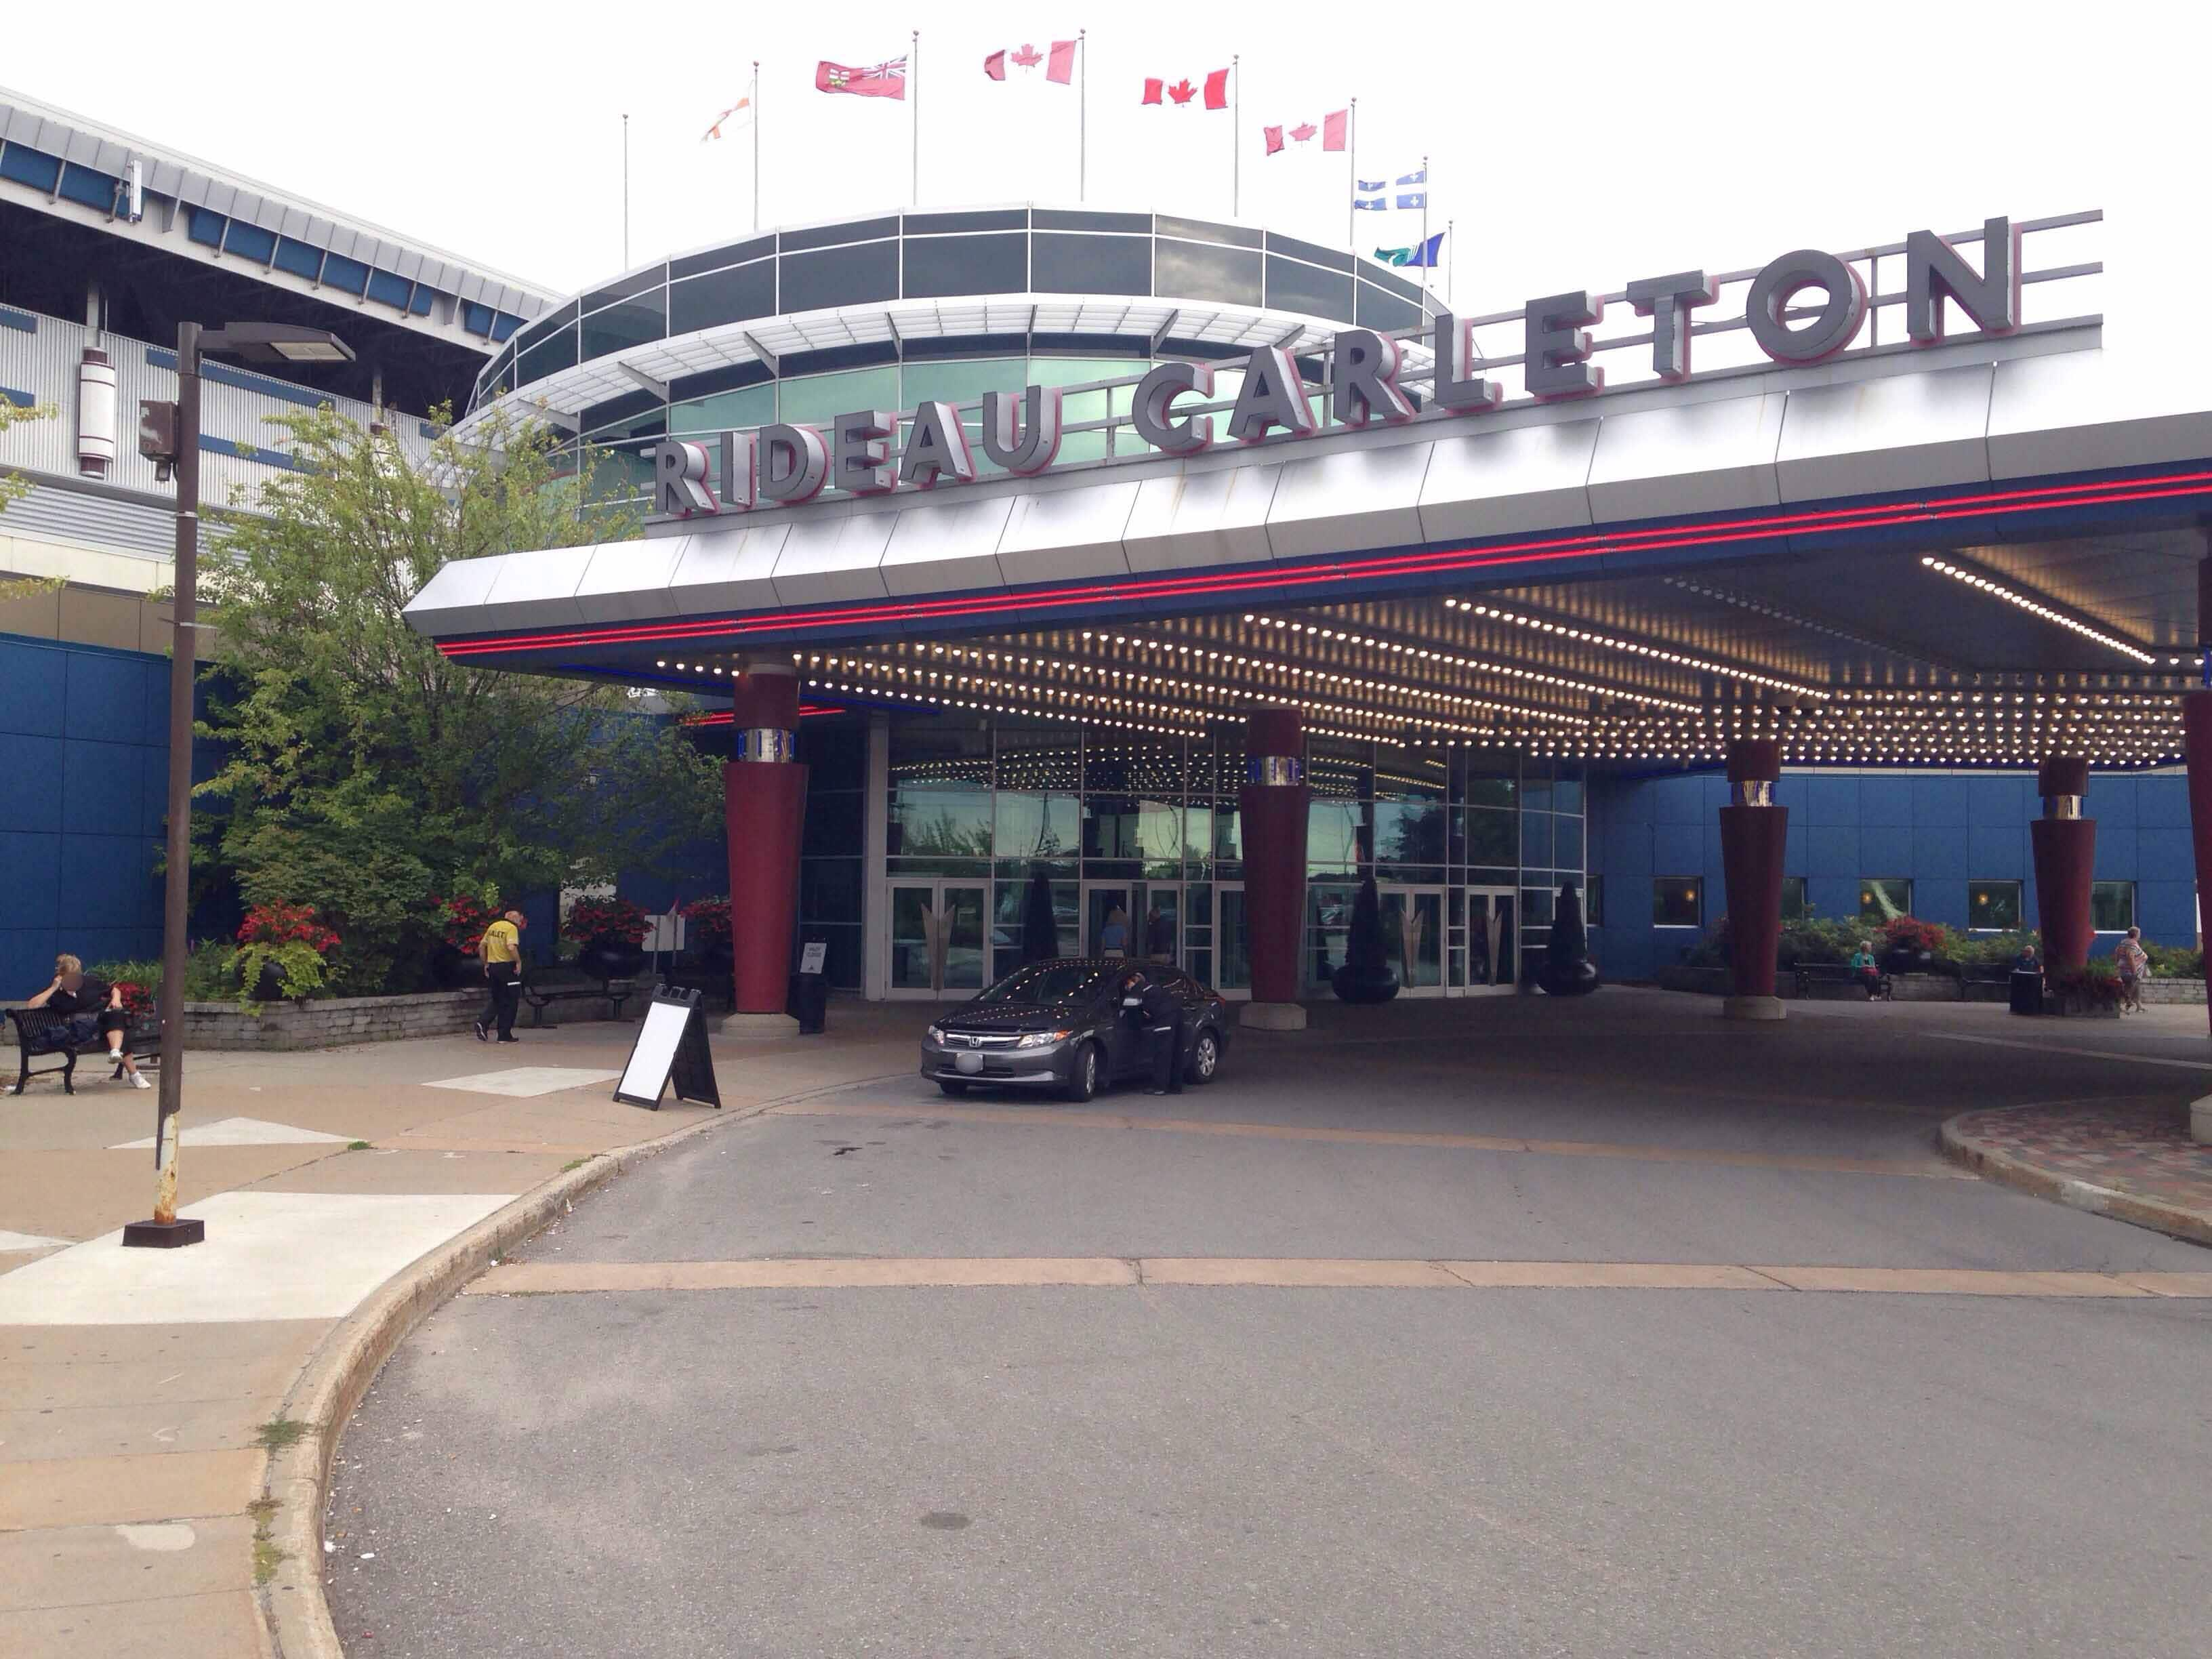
{"points": [[2027, 991], [808, 1002]]}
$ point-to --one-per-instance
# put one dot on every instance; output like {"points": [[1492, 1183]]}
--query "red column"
{"points": [[1754, 839], [764, 798], [2196, 740], [2065, 847], [1272, 813]]}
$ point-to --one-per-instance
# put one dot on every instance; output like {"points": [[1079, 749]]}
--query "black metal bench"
{"points": [[41, 1032], [1995, 974], [1811, 976], [550, 985]]}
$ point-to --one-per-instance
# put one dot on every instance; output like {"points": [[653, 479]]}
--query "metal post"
{"points": [[176, 895], [1451, 235], [756, 125], [625, 191], [913, 98], [1082, 111]]}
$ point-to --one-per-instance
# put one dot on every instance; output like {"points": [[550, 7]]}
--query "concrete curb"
{"points": [[295, 1611], [1993, 1163]]}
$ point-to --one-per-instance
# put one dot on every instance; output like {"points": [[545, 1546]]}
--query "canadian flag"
{"points": [[1334, 132], [1182, 92], [1058, 63]]}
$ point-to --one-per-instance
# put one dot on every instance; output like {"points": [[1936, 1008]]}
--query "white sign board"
{"points": [[650, 1060], [810, 956]]}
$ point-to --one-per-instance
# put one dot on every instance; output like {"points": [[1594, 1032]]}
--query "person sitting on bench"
{"points": [[93, 1010], [1865, 970]]}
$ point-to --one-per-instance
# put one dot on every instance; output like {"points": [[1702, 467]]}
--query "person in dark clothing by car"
{"points": [[1161, 1016]]}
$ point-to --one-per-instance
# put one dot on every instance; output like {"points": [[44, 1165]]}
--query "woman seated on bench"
{"points": [[1866, 971], [93, 1010]]}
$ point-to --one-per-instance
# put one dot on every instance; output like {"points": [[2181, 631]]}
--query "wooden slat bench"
{"points": [[40, 1032]]}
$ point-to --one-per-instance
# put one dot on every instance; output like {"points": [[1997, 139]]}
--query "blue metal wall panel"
{"points": [[1939, 801], [1885, 802], [33, 761], [1939, 855], [106, 698], [1884, 849], [101, 786]]}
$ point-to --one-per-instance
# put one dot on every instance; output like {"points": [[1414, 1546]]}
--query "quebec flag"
{"points": [[1426, 253], [1367, 189], [1419, 178], [1414, 198], [1371, 204]]}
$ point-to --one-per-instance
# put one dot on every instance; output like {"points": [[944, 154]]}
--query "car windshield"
{"points": [[1050, 983]]}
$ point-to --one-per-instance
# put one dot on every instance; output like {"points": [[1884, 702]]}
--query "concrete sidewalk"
{"points": [[143, 1394], [2132, 1158]]}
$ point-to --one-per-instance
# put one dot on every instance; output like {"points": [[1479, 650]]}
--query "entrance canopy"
{"points": [[1967, 550]]}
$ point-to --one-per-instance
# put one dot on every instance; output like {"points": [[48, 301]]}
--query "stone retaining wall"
{"points": [[338, 1022]]}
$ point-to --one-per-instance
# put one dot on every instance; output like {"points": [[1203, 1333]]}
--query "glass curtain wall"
{"points": [[1131, 842]]}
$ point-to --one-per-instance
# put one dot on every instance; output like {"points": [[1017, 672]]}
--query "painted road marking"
{"points": [[13, 1243], [1922, 1169], [268, 1256], [521, 1081], [238, 1131], [1298, 1272], [2084, 1054]]}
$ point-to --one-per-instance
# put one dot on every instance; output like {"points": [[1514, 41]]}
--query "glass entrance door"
{"points": [[938, 937], [1414, 937], [1232, 947], [1491, 945]]}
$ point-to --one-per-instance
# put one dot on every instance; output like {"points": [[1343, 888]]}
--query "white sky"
{"points": [[1575, 147]]}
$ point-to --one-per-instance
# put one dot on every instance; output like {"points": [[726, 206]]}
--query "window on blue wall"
{"points": [[1594, 901], [1678, 901], [2112, 906], [1793, 898], [1993, 906], [1882, 898]]}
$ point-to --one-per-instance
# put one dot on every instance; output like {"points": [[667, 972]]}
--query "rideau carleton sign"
{"points": [[785, 464]]}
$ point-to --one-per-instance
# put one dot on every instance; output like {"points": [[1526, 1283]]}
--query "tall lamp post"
{"points": [[169, 434]]}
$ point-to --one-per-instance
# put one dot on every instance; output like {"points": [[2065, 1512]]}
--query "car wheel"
{"points": [[952, 1088], [1083, 1073], [1204, 1059]]}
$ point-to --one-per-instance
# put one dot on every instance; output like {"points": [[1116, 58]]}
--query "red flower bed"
{"points": [[604, 919], [462, 920], [709, 919], [287, 924], [137, 999]]}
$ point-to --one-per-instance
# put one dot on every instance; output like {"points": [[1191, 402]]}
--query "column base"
{"points": [[164, 1235], [758, 1026], [2200, 1120], [1273, 1016], [1752, 1008]]}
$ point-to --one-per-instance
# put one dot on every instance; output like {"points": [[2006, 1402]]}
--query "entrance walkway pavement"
{"points": [[148, 1398], [2129, 1158]]}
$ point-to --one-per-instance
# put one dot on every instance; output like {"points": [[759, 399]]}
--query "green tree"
{"points": [[13, 487], [369, 775]]}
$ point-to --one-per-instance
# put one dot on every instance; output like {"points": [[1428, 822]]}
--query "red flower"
{"points": [[590, 919], [287, 924]]}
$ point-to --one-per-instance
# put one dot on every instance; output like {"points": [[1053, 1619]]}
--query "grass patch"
{"points": [[357, 1145], [574, 1163], [279, 1433], [267, 1558]]}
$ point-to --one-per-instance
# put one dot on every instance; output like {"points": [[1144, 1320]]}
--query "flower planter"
{"points": [[610, 958]]}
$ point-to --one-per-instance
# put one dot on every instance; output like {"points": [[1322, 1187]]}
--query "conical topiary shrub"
{"points": [[1040, 927], [1567, 970], [1366, 975]]}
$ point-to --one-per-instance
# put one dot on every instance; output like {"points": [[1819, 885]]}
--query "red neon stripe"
{"points": [[1992, 502]]}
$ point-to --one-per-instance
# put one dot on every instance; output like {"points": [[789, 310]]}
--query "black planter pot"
{"points": [[269, 986], [718, 958], [610, 958], [1578, 980], [1354, 987]]}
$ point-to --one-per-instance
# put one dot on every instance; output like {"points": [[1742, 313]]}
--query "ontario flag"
{"points": [[1180, 93], [1058, 63], [1334, 131], [885, 80]]}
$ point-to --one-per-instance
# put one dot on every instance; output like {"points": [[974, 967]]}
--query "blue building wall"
{"points": [[1942, 831], [83, 764]]}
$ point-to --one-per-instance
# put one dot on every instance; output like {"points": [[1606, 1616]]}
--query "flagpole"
{"points": [[625, 190], [1451, 227], [1082, 111], [756, 118], [913, 98], [1425, 224], [1352, 177], [1236, 135]]}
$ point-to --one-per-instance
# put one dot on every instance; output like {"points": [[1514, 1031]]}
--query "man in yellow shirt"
{"points": [[501, 951]]}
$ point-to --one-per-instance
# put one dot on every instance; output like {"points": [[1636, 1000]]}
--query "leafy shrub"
{"points": [[1911, 934], [2174, 961], [464, 917], [2098, 984]]}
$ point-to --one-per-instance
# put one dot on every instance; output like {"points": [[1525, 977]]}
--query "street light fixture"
{"points": [[170, 434]]}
